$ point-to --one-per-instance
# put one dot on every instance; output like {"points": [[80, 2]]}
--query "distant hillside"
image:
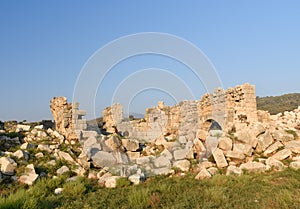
{"points": [[277, 104]]}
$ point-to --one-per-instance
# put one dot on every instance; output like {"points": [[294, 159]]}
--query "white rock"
{"points": [[213, 171], [203, 174], [282, 154], [44, 147], [103, 159], [264, 141], [62, 170], [136, 178], [162, 162], [233, 170], [225, 143], [21, 127], [39, 155], [8, 166], [30, 175], [243, 148], [220, 158], [58, 191], [39, 127], [111, 182], [166, 153], [21, 154], [273, 148], [295, 165], [235, 155], [253, 167], [275, 163], [26, 146], [162, 171], [183, 165], [294, 146], [66, 156]]}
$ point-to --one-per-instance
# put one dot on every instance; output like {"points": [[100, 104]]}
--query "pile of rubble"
{"points": [[172, 141]]}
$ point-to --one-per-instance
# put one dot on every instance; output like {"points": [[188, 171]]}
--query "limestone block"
{"points": [[294, 146], [243, 148], [8, 166], [233, 170], [62, 170], [220, 158], [282, 154], [225, 143], [203, 174], [183, 165], [235, 155], [272, 148], [103, 159], [264, 141], [162, 162], [253, 167], [130, 144]]}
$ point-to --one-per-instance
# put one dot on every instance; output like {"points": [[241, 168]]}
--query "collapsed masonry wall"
{"points": [[186, 119], [68, 118]]}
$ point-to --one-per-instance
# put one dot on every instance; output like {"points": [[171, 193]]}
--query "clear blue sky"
{"points": [[44, 44]]}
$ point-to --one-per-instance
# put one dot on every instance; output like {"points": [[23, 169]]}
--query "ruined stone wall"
{"points": [[67, 117], [228, 107], [112, 116], [236, 105]]}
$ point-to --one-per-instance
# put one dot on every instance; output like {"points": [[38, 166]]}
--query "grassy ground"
{"points": [[269, 190]]}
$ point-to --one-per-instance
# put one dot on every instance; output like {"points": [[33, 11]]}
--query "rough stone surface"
{"points": [[162, 162], [273, 148], [130, 144], [103, 159], [62, 170], [264, 141], [30, 175], [283, 154], [111, 182], [183, 165], [8, 166], [233, 170], [220, 158], [203, 174], [66, 156], [225, 143], [243, 148], [253, 167], [235, 155], [68, 118], [295, 165], [294, 146], [273, 163]]}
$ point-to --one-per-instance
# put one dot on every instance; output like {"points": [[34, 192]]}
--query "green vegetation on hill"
{"points": [[277, 104], [267, 190]]}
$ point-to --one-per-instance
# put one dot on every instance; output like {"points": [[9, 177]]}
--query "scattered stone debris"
{"points": [[188, 137]]}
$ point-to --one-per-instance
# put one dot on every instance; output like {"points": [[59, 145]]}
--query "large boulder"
{"points": [[103, 159], [264, 141], [8, 166], [162, 162], [30, 175]]}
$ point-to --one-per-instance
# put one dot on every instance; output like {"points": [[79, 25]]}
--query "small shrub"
{"points": [[123, 182]]}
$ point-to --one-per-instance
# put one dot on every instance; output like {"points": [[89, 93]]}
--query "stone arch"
{"points": [[211, 124]]}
